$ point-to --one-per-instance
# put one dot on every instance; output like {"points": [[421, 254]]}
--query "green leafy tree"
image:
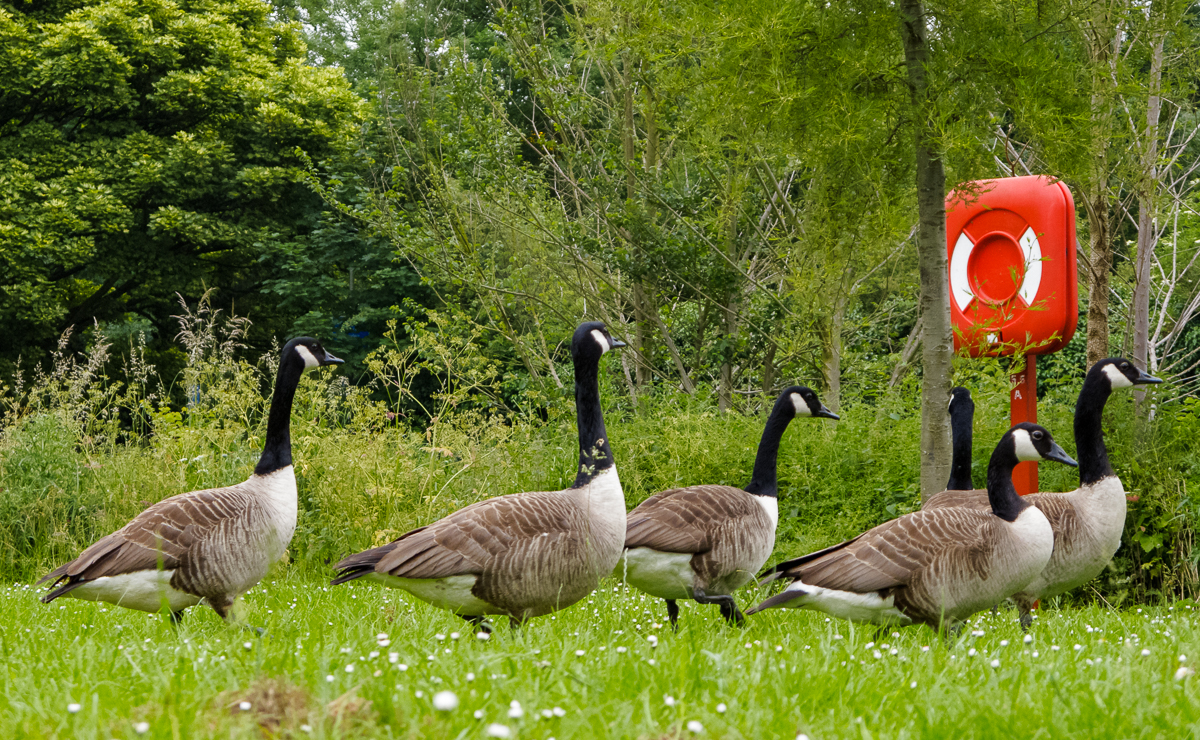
{"points": [[149, 147]]}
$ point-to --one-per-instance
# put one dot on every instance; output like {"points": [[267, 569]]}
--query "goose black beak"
{"points": [[824, 413], [1057, 454], [617, 343], [1146, 379], [330, 359]]}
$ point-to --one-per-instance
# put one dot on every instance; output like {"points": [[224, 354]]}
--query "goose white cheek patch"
{"points": [[801, 405], [310, 360], [601, 340], [1117, 378], [1024, 446]]}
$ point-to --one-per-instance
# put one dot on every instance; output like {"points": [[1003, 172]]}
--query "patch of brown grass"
{"points": [[276, 705]]}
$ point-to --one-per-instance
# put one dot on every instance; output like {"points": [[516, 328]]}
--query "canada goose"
{"points": [[211, 545], [937, 567], [524, 554], [1088, 521], [705, 542], [962, 415]]}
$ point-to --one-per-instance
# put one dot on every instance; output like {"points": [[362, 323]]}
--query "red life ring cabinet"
{"points": [[1014, 285]]}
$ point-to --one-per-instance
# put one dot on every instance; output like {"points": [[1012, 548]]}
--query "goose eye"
{"points": [[1038, 435]]}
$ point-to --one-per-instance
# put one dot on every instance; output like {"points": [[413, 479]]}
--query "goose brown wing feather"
{"points": [[1062, 515], [465, 542], [973, 499], [683, 519], [163, 533], [890, 554]]}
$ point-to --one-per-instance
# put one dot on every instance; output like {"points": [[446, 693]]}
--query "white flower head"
{"points": [[141, 728], [1183, 673], [695, 727], [514, 710], [244, 706], [445, 701], [498, 730]]}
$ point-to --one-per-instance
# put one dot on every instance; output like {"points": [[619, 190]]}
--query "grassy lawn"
{"points": [[363, 661]]}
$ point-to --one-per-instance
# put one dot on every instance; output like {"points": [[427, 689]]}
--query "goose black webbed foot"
{"points": [[728, 607]]}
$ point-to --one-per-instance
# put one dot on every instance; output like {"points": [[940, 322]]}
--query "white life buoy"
{"points": [[960, 282]]}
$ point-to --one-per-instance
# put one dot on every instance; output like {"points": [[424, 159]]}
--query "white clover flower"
{"points": [[439, 637], [1183, 673], [1004, 643], [329, 679], [306, 728], [579, 653], [976, 633], [559, 712], [73, 708], [695, 727], [912, 685], [668, 700], [350, 668], [141, 728], [1145, 652], [621, 649], [247, 645], [454, 635], [1182, 658], [478, 714], [482, 636], [877, 654], [995, 663], [470, 676], [972, 653], [445, 701], [1027, 639], [514, 710], [721, 708], [498, 730]]}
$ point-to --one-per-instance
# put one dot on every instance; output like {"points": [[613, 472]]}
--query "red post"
{"points": [[1024, 408]]}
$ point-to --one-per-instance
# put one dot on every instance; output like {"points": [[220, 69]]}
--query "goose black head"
{"points": [[960, 398], [1122, 373], [592, 340], [806, 403], [310, 353], [1032, 443]]}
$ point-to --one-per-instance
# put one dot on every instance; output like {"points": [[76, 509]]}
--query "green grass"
{"points": [[320, 664]]}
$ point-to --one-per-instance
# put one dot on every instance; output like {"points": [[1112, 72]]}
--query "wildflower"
{"points": [[478, 714], [559, 712], [73, 708], [439, 637], [244, 706], [621, 649], [1145, 652], [1078, 647], [470, 676], [306, 728], [695, 727], [668, 700], [972, 653], [995, 663], [141, 728], [454, 635], [1004, 643], [1183, 673], [247, 645], [445, 701], [514, 710], [578, 653], [721, 708], [877, 655], [1182, 658], [912, 685], [329, 679], [498, 730], [1027, 639], [482, 636]]}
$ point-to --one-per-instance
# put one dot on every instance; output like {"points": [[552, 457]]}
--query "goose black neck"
{"points": [[595, 456], [1089, 430], [960, 461], [277, 452], [763, 482], [1003, 497]]}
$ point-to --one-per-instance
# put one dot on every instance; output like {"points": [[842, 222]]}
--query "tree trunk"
{"points": [[641, 338], [1103, 41], [1147, 228], [937, 346], [768, 373], [686, 381], [831, 349], [729, 326]]}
